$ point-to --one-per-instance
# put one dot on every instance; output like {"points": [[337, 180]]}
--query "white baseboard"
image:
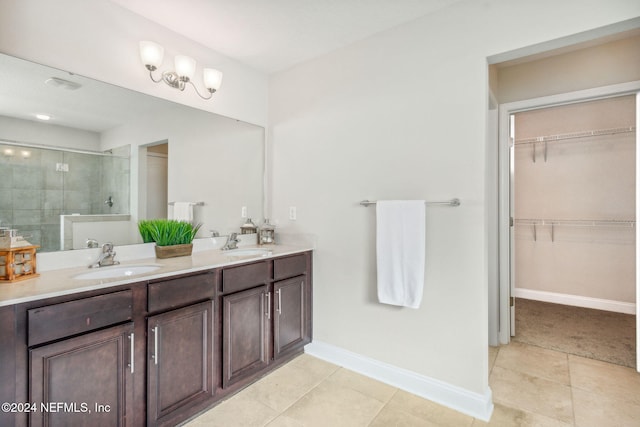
{"points": [[474, 404], [576, 300]]}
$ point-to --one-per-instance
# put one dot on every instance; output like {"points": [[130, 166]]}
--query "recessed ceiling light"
{"points": [[62, 83], [43, 117]]}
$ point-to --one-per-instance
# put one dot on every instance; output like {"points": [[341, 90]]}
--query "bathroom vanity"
{"points": [[154, 350]]}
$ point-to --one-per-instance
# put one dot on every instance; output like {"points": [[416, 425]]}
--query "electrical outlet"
{"points": [[292, 213], [244, 212]]}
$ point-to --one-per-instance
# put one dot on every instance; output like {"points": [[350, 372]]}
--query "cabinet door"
{"points": [[180, 360], [246, 317], [82, 381], [291, 318]]}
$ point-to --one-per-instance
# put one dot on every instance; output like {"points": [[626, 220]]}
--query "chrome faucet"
{"points": [[107, 257], [232, 242]]}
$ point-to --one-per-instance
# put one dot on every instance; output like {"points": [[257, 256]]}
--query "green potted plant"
{"points": [[172, 238]]}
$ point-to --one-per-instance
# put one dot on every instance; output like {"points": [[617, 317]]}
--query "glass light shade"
{"points": [[151, 53], [185, 66], [212, 78]]}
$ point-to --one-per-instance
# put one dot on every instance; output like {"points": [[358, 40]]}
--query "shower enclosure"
{"points": [[38, 184]]}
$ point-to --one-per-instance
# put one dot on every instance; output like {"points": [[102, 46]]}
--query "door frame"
{"points": [[504, 189]]}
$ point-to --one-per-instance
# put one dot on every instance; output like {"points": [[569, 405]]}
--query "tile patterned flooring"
{"points": [[531, 386]]}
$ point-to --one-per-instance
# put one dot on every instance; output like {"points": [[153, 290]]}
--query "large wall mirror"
{"points": [[108, 156]]}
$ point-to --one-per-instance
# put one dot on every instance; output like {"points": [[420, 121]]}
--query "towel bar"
{"points": [[452, 202], [192, 203]]}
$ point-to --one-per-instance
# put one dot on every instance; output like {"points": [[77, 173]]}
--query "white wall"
{"points": [[403, 115], [592, 66], [99, 39]]}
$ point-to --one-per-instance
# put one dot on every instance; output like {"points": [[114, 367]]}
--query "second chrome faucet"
{"points": [[107, 257]]}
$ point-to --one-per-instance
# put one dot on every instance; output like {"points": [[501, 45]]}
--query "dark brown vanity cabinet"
{"points": [[81, 369], [246, 320], [180, 365], [266, 315], [180, 356], [85, 380], [152, 353], [291, 325]]}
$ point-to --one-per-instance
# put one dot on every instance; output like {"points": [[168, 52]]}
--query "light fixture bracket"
{"points": [[172, 79]]}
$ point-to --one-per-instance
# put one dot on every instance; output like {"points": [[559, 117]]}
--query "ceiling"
{"points": [[273, 35]]}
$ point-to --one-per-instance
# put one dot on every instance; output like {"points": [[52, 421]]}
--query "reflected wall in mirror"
{"points": [[102, 133]]}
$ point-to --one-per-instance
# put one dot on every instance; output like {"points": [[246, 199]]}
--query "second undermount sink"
{"points": [[117, 271], [255, 252]]}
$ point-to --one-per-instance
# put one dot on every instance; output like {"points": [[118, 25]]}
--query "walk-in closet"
{"points": [[573, 183]]}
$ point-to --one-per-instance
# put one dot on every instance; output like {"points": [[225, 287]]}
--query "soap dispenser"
{"points": [[267, 233]]}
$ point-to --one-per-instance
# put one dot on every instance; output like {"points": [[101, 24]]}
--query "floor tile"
{"points": [[427, 410], [314, 367], [509, 417], [283, 421], [535, 361], [532, 394], [237, 411], [493, 354], [331, 405], [594, 410], [283, 387], [365, 385], [389, 417], [618, 382]]}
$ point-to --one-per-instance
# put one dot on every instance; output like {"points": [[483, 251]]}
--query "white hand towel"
{"points": [[183, 211], [400, 244]]}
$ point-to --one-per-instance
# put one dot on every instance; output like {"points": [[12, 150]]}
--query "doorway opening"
{"points": [[554, 217], [154, 159], [573, 234]]}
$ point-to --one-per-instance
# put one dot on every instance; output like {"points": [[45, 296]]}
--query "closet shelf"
{"points": [[577, 222], [575, 135], [552, 223]]}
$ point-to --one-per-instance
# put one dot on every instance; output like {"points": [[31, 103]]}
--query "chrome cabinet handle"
{"points": [[279, 292], [155, 345], [131, 337], [269, 305]]}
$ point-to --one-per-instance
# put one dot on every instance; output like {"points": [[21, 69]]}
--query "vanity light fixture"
{"points": [[185, 67]]}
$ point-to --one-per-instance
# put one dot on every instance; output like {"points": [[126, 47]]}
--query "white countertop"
{"points": [[62, 282]]}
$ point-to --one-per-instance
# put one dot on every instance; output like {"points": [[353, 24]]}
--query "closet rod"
{"points": [[452, 202], [575, 135]]}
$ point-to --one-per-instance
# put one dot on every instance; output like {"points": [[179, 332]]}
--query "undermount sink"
{"points": [[117, 271], [255, 252]]}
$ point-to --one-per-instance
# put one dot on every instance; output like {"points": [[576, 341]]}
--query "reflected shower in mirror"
{"points": [[85, 177], [40, 184]]}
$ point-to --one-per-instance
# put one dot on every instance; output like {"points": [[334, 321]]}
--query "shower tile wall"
{"points": [[33, 194]]}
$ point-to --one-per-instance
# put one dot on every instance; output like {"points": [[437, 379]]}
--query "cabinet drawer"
{"points": [[57, 321], [236, 279], [179, 292], [289, 266]]}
